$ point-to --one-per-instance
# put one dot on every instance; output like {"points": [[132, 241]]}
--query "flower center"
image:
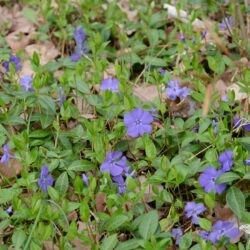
{"points": [[138, 121]]}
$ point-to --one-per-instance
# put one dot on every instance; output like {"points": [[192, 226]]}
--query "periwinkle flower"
{"points": [[204, 234], [6, 154], [247, 162], [138, 122], [176, 233], [203, 34], [226, 160], [61, 98], [192, 210], [208, 178], [174, 90], [182, 37], [26, 83], [223, 229], [85, 179], [161, 71], [110, 84], [226, 23], [116, 165], [16, 62], [80, 39], [242, 123], [9, 210], [45, 179], [215, 126]]}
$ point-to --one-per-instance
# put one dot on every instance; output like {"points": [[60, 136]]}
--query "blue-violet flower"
{"points": [[192, 210], [207, 180], [6, 155], [110, 84], [138, 122], [176, 233], [26, 83], [45, 179], [226, 160], [174, 90], [223, 229], [15, 60]]}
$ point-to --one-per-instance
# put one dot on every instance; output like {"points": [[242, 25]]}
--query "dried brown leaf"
{"points": [[46, 50], [100, 200], [49, 245], [146, 93], [125, 6], [11, 169]]}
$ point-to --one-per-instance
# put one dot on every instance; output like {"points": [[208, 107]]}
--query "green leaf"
{"points": [[149, 148], [54, 195], [115, 222], [186, 241], [39, 133], [149, 224], [81, 165], [47, 104], [205, 224], [62, 183], [227, 177], [4, 224], [155, 61], [7, 195], [18, 238], [109, 243], [236, 201], [128, 245], [84, 211], [30, 14]]}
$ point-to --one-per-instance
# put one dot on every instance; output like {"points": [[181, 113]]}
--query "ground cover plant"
{"points": [[124, 124]]}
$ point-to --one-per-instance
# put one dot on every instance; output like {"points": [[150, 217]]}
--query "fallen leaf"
{"points": [[125, 6], [46, 50], [100, 201], [11, 169], [49, 245], [146, 93]]}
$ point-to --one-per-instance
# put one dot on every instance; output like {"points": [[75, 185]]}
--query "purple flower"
{"points": [[61, 98], [215, 126], [247, 162], [226, 23], [182, 37], [85, 179], [176, 233], [224, 98], [207, 180], [161, 71], [15, 60], [226, 160], [26, 83], [110, 84], [6, 155], [138, 122], [242, 123], [116, 165], [45, 179], [224, 229], [192, 210], [204, 234], [120, 181], [79, 35], [80, 49], [203, 35], [9, 210], [174, 90]]}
